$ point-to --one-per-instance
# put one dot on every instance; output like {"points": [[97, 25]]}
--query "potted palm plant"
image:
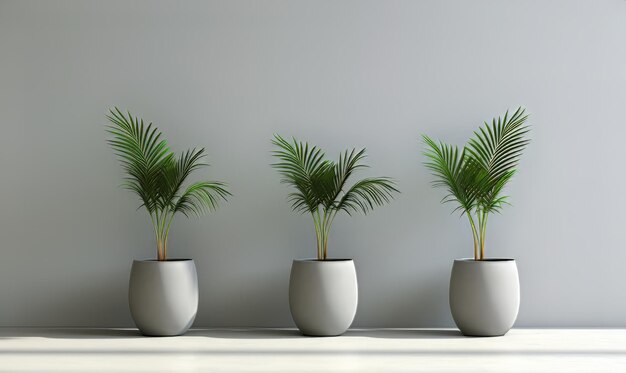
{"points": [[163, 293], [484, 292], [323, 292]]}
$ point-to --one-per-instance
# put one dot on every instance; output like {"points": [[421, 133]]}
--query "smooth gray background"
{"points": [[228, 74]]}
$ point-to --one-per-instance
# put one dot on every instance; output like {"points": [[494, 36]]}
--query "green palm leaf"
{"points": [[365, 194], [498, 147], [201, 197], [142, 154], [304, 168], [453, 172], [320, 185], [475, 176], [157, 175]]}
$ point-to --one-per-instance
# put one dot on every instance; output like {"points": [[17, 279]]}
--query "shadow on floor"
{"points": [[234, 333], [254, 333], [71, 333], [251, 333], [406, 333]]}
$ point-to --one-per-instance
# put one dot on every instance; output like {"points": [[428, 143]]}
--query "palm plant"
{"points": [[157, 175], [321, 185], [475, 176]]}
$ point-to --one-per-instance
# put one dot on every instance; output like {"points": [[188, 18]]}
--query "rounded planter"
{"points": [[323, 295], [163, 296], [484, 296]]}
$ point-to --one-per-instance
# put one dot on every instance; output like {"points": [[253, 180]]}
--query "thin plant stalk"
{"points": [[474, 236]]}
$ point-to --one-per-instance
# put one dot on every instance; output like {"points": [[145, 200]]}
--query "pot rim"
{"points": [[329, 260], [486, 260], [174, 260]]}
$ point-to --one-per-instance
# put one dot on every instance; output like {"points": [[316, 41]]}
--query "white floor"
{"points": [[284, 350]]}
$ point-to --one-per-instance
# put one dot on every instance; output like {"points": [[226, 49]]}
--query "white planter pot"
{"points": [[484, 296], [323, 295], [163, 296]]}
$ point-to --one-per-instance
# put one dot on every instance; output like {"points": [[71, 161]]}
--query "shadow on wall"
{"points": [[419, 298], [426, 311], [259, 296], [96, 300]]}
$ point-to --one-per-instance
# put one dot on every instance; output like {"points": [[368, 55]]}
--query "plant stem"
{"points": [[167, 232], [160, 249], [483, 235], [316, 221], [329, 222], [474, 235], [155, 225], [159, 238], [163, 220], [322, 230], [480, 216], [324, 237]]}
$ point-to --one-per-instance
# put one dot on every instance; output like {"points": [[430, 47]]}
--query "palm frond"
{"points": [[305, 169], [476, 176], [491, 199], [157, 175], [141, 152], [498, 147], [451, 170], [347, 165], [320, 185], [175, 173], [201, 197], [365, 194]]}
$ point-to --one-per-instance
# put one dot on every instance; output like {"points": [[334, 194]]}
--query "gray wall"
{"points": [[228, 74]]}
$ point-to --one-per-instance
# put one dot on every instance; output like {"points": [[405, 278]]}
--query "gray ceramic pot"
{"points": [[484, 296], [323, 296], [163, 296]]}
